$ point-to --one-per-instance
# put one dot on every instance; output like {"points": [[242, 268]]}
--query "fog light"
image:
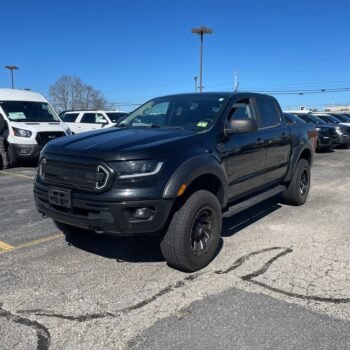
{"points": [[25, 150], [143, 213]]}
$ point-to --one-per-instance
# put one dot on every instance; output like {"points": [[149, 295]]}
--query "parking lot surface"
{"points": [[282, 277]]}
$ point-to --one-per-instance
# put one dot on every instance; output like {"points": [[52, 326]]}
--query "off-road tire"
{"points": [[177, 245], [298, 189]]}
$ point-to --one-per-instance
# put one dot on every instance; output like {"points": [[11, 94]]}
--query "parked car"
{"points": [[343, 129], [82, 121], [327, 136], [341, 117], [331, 119], [31, 124], [177, 166]]}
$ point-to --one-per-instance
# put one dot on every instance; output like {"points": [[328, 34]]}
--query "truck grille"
{"points": [[42, 138], [332, 132], [85, 177]]}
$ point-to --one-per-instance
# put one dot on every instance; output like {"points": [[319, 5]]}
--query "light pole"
{"points": [[195, 83], [201, 31], [12, 68]]}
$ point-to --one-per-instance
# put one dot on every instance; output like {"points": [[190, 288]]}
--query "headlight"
{"points": [[21, 132], [340, 130], [40, 172], [137, 168]]}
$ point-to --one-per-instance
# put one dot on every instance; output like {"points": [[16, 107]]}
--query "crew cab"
{"points": [[176, 166], [82, 121]]}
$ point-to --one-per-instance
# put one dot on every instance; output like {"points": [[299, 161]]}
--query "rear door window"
{"points": [[69, 117], [93, 118]]}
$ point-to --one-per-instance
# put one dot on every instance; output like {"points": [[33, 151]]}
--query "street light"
{"points": [[12, 68], [201, 31]]}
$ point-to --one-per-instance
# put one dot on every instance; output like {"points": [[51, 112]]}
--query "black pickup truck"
{"points": [[177, 165]]}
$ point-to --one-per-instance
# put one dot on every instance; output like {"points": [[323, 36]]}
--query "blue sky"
{"points": [[134, 50]]}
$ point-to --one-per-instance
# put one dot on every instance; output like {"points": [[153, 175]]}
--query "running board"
{"points": [[235, 209]]}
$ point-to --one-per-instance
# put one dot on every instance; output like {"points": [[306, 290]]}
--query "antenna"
{"points": [[236, 84]]}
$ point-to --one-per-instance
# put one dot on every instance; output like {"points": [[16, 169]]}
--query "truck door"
{"points": [[277, 138], [92, 121], [244, 154]]}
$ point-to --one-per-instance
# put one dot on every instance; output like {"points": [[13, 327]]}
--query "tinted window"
{"points": [[242, 109], [328, 119], [93, 118], [310, 118], [115, 117], [342, 118], [69, 117], [269, 112], [293, 119]]}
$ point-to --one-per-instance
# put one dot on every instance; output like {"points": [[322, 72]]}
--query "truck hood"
{"points": [[39, 127], [123, 143]]}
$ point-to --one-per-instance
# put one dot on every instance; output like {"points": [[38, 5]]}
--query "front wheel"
{"points": [[193, 236], [298, 189]]}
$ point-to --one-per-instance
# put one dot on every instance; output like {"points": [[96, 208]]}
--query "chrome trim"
{"points": [[104, 170]]}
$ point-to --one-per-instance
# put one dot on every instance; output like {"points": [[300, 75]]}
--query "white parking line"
{"points": [[18, 175]]}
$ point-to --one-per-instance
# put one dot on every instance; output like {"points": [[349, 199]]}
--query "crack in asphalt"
{"points": [[89, 317], [42, 332], [261, 271], [244, 258], [44, 335]]}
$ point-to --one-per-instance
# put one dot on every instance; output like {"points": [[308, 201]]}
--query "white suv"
{"points": [[81, 121]]}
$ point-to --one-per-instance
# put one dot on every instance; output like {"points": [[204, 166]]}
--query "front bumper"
{"points": [[344, 140], [26, 151], [105, 216], [327, 141]]}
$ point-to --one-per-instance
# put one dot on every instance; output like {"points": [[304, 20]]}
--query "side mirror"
{"points": [[241, 126]]}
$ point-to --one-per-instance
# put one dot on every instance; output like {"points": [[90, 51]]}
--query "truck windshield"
{"points": [[116, 117], [24, 111], [311, 119], [195, 112]]}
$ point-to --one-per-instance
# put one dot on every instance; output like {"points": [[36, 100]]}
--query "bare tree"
{"points": [[69, 92]]}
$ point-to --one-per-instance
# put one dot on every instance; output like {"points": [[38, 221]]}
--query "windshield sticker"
{"points": [[202, 124], [17, 115]]}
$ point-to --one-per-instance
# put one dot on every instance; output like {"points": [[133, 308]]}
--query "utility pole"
{"points": [[195, 83], [12, 68], [201, 31]]}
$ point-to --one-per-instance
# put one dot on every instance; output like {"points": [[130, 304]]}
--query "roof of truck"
{"points": [[20, 95]]}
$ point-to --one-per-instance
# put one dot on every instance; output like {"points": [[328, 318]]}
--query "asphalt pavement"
{"points": [[280, 280]]}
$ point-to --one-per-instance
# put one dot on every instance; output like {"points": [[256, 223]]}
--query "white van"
{"points": [[31, 122]]}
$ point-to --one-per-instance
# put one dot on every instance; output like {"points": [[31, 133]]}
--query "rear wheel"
{"points": [[298, 189], [193, 236]]}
